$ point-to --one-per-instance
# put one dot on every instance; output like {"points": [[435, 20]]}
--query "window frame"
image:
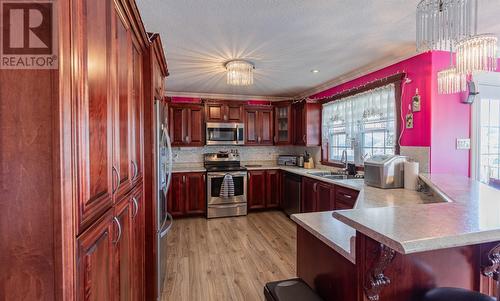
{"points": [[397, 80]]}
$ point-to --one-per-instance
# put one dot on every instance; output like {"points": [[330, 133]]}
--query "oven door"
{"points": [[225, 133], [214, 185]]}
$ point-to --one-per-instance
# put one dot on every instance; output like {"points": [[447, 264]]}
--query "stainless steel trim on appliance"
{"points": [[211, 201], [238, 127], [385, 171]]}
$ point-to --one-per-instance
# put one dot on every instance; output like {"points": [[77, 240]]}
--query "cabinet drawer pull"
{"points": [[184, 179], [136, 207], [347, 196], [115, 220], [315, 187], [304, 138]]}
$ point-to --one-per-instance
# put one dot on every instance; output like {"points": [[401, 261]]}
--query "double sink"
{"points": [[334, 176]]}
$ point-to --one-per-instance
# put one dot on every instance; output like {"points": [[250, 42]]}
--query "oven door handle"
{"points": [[228, 206], [222, 174]]}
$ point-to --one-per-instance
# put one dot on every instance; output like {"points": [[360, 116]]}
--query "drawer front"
{"points": [[346, 196]]}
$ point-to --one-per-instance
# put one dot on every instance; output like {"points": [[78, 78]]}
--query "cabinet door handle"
{"points": [[204, 177], [304, 138], [135, 169], [116, 184], [115, 219], [225, 117], [348, 196], [184, 179], [315, 187], [275, 139], [136, 207]]}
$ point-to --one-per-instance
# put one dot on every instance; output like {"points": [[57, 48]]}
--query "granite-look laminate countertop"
{"points": [[469, 215]]}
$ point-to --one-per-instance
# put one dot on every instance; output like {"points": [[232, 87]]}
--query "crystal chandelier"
{"points": [[239, 73], [441, 23], [451, 81], [477, 53]]}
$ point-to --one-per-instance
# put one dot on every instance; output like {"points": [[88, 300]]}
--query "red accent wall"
{"points": [[419, 70]]}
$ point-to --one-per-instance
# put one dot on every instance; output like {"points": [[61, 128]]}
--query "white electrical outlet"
{"points": [[463, 143]]}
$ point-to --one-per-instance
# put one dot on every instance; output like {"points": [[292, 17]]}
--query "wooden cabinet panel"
{"points": [[345, 197], [123, 249], [215, 112], [273, 188], [187, 194], [196, 129], [195, 193], [95, 261], [283, 124], [266, 127], [325, 197], [91, 37], [122, 108], [186, 125], [256, 189], [308, 195], [234, 112], [138, 226], [137, 111], [298, 124], [176, 195], [251, 127], [306, 123]]}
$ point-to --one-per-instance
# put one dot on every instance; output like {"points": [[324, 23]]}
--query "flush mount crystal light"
{"points": [[239, 73], [477, 53]]}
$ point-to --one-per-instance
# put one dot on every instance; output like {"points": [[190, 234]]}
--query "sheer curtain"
{"points": [[362, 124]]}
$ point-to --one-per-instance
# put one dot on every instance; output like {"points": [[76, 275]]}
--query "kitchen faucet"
{"points": [[343, 159]]}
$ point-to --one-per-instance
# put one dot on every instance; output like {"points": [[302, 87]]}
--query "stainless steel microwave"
{"points": [[225, 133]]}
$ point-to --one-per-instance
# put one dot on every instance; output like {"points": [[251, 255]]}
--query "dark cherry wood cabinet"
{"points": [[186, 124], [325, 196], [306, 117], [123, 251], [273, 188], [283, 124], [187, 194], [223, 111], [195, 193], [259, 126], [308, 200], [137, 105], [138, 245], [264, 189], [95, 261], [345, 198]]}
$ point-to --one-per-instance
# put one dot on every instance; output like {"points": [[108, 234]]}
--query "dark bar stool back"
{"points": [[455, 294]]}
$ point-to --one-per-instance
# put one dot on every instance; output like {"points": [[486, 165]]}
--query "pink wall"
{"points": [[450, 120], [418, 69]]}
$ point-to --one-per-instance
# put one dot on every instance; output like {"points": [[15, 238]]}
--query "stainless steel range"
{"points": [[223, 171]]}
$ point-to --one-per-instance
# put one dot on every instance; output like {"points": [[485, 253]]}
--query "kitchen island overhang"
{"points": [[401, 252]]}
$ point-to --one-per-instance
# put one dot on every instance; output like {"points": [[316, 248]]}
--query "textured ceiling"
{"points": [[285, 39]]}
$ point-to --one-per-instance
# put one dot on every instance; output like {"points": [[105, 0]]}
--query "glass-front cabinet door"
{"points": [[283, 122]]}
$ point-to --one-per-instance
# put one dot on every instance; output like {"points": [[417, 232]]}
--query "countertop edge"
{"points": [[347, 255]]}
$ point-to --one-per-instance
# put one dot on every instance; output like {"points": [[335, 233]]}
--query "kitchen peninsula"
{"points": [[399, 250]]}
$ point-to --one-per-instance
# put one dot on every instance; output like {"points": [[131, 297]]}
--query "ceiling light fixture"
{"points": [[477, 53], [451, 81], [239, 73], [315, 71]]}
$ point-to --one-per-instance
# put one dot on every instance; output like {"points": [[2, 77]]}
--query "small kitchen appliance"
{"points": [[287, 160], [385, 171], [225, 133], [219, 166]]}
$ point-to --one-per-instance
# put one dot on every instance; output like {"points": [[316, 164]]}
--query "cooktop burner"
{"points": [[225, 168]]}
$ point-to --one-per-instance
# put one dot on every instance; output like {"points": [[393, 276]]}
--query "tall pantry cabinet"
{"points": [[73, 152]]}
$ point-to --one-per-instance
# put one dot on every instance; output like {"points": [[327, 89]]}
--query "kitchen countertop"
{"points": [[469, 215]]}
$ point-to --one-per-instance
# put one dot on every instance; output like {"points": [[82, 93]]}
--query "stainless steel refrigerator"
{"points": [[164, 221]]}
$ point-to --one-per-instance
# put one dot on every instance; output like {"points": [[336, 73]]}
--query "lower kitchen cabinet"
{"points": [[322, 196], [345, 198], [263, 189], [308, 200], [95, 262], [110, 253], [187, 194]]}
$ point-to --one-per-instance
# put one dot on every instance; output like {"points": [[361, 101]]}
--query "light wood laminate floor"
{"points": [[229, 258]]}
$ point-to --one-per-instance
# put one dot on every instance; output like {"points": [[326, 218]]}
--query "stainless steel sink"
{"points": [[334, 176]]}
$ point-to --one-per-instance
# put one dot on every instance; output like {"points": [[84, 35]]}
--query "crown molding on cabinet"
{"points": [[225, 96]]}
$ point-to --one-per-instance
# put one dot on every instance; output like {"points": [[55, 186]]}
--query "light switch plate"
{"points": [[463, 143]]}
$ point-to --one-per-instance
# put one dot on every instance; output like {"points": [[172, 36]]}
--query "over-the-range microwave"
{"points": [[225, 133]]}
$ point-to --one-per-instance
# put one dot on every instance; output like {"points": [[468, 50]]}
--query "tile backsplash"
{"points": [[194, 155]]}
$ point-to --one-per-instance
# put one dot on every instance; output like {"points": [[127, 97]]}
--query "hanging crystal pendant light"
{"points": [[441, 23], [477, 53], [239, 73], [451, 81]]}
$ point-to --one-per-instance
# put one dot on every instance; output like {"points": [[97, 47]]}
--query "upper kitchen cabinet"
{"points": [[186, 124], [223, 111], [306, 117], [258, 125], [93, 106], [283, 129]]}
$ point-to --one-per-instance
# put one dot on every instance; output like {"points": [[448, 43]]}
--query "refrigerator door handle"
{"points": [[165, 232]]}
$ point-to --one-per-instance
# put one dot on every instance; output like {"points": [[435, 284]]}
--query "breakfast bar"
{"points": [[390, 249]]}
